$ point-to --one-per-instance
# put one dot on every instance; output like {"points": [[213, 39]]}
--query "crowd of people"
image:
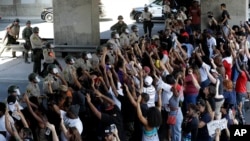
{"points": [[167, 87]]}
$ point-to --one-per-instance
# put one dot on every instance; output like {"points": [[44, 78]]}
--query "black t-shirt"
{"points": [[223, 15], [113, 117], [191, 126]]}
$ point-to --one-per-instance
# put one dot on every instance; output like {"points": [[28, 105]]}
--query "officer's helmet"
{"points": [[17, 20], [134, 28], [13, 89], [114, 34], [120, 17], [35, 30], [125, 29], [32, 76], [50, 67], [69, 59]]}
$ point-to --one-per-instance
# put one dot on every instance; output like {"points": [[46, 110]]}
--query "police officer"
{"points": [[49, 58], [53, 80], [14, 90], [12, 34], [69, 73], [83, 62], [119, 25], [27, 32], [124, 38], [37, 44], [115, 40], [147, 24], [134, 36], [32, 88]]}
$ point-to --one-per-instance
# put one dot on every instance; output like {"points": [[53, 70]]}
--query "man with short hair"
{"points": [[12, 34]]}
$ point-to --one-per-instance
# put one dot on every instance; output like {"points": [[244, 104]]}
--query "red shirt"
{"points": [[190, 88], [241, 83], [228, 69]]}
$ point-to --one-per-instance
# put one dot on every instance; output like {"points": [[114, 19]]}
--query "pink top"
{"points": [[190, 88]]}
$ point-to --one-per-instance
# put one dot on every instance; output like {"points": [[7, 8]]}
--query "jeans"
{"points": [[176, 130], [241, 97]]}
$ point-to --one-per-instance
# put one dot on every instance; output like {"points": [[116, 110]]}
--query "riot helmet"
{"points": [[13, 89], [69, 59], [35, 30], [134, 28], [115, 35], [52, 68], [33, 77]]}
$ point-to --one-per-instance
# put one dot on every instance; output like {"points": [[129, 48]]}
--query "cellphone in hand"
{"points": [[47, 132], [113, 127]]}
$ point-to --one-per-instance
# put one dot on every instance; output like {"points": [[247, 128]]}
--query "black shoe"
{"points": [[27, 62]]}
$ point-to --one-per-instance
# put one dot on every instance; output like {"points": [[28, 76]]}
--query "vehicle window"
{"points": [[157, 2]]}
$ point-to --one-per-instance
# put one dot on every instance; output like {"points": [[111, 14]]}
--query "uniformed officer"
{"points": [[37, 44], [95, 60], [119, 25], [32, 88], [53, 80], [124, 38], [69, 73], [12, 34], [49, 58], [14, 90], [83, 62], [147, 23], [27, 32], [114, 40], [134, 36]]}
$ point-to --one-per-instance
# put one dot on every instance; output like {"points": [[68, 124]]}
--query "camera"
{"points": [[113, 127], [47, 132]]}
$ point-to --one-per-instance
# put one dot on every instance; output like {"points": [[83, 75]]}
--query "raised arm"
{"points": [[97, 113], [139, 112]]}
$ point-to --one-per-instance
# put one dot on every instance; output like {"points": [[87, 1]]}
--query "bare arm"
{"points": [[139, 113], [97, 113]]}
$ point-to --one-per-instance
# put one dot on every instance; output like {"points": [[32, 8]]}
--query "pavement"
{"points": [[15, 69]]}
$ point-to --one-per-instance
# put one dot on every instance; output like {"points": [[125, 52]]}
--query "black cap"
{"points": [[74, 109]]}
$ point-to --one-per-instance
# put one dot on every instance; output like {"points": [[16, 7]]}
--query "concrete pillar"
{"points": [[238, 10], [76, 22]]}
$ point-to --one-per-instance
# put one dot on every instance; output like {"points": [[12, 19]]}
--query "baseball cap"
{"points": [[148, 80], [74, 109], [146, 69], [155, 37]]}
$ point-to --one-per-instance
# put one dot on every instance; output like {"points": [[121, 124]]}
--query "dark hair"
{"points": [[212, 90], [75, 135], [2, 107], [170, 79], [154, 117], [145, 97], [223, 5], [193, 107]]}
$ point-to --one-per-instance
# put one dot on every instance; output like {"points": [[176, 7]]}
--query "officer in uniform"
{"points": [[134, 36], [83, 62], [32, 88], [119, 25], [124, 38], [69, 73], [53, 80], [95, 60], [27, 32], [49, 58], [37, 44], [12, 34], [14, 90], [114, 40]]}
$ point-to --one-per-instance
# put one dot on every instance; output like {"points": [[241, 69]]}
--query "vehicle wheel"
{"points": [[138, 17], [49, 17]]}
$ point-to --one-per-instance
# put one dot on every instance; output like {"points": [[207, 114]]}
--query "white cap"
{"points": [[154, 37], [148, 80]]}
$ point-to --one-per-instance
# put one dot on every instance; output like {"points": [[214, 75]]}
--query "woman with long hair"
{"points": [[71, 133]]}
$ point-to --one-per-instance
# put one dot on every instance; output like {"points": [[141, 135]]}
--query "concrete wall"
{"points": [[23, 7], [237, 9], [77, 23]]}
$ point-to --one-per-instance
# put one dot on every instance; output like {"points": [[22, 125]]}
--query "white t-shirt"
{"points": [[71, 123], [203, 71], [166, 93], [151, 92]]}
